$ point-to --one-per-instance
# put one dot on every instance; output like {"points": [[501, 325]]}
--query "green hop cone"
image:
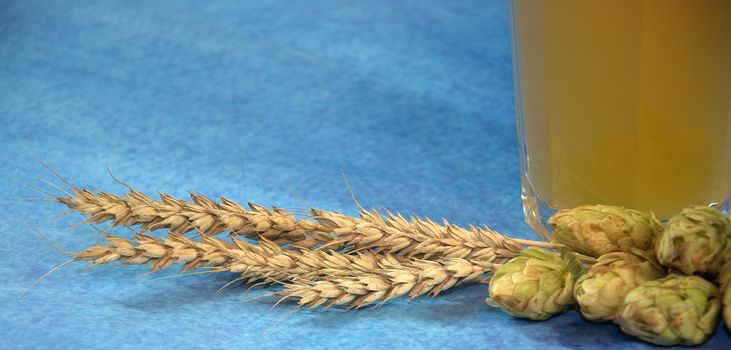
{"points": [[595, 230], [535, 285], [672, 310], [694, 241], [601, 291]]}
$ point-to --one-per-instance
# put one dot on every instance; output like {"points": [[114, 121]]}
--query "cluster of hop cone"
{"points": [[329, 259], [653, 281]]}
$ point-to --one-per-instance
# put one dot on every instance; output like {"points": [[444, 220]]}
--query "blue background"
{"points": [[265, 101]]}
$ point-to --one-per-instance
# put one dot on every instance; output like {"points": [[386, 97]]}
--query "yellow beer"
{"points": [[624, 102]]}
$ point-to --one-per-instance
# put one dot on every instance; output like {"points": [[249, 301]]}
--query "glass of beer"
{"points": [[622, 102]]}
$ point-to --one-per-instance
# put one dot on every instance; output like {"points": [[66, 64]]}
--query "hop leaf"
{"points": [[672, 310], [694, 241], [535, 285], [572, 262], [595, 230], [601, 291]]}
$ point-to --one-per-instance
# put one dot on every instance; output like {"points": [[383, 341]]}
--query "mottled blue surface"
{"points": [[267, 101]]}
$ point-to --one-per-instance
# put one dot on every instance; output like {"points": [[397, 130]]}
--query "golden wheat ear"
{"points": [[201, 214]]}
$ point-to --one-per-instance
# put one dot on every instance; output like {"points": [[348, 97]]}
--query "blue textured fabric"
{"points": [[266, 101]]}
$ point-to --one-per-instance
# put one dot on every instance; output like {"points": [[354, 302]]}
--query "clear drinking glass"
{"points": [[622, 102]]}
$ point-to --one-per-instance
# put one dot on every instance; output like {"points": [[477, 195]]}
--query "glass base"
{"points": [[536, 212]]}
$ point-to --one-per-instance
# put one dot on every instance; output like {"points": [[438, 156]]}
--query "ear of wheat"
{"points": [[313, 277], [422, 238], [203, 215]]}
